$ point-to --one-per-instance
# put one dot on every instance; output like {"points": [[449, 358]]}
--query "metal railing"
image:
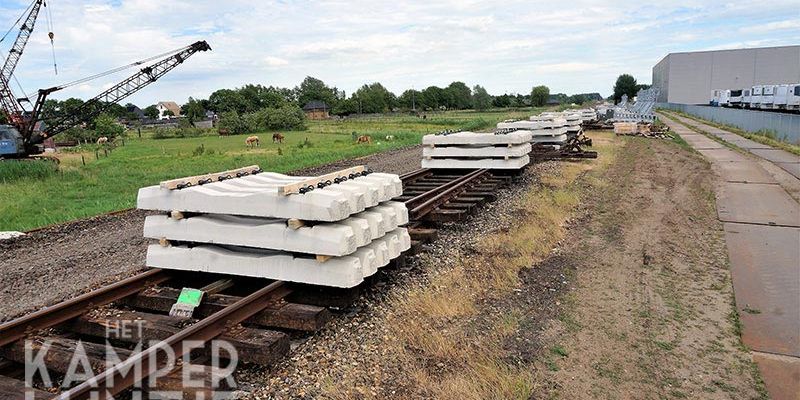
{"points": [[785, 127]]}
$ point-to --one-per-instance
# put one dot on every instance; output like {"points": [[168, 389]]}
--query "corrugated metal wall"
{"points": [[785, 126]]}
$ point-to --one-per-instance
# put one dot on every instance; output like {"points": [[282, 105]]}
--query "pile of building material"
{"points": [[456, 150], [641, 111], [645, 129], [330, 230]]}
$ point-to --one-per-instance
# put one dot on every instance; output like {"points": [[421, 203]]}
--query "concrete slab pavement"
{"points": [[785, 160], [752, 201]]}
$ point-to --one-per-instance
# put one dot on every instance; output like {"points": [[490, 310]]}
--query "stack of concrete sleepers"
{"points": [[506, 150], [545, 131], [587, 114], [573, 121], [333, 230]]}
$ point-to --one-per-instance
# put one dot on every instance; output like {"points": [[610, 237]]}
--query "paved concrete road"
{"points": [[762, 230], [788, 161]]}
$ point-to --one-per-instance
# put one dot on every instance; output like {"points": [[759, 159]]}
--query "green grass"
{"points": [[16, 170], [31, 195], [764, 136]]}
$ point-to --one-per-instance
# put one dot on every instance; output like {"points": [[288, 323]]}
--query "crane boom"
{"points": [[96, 105], [8, 101]]}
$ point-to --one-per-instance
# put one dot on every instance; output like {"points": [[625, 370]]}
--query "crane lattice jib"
{"points": [[25, 32], [93, 107], [8, 101]]}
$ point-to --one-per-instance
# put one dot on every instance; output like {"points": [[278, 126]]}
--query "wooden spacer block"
{"points": [[294, 223], [176, 215], [322, 259], [163, 242]]}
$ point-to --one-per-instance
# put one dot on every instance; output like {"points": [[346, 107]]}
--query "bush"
{"points": [[287, 117], [233, 122], [106, 125], [177, 133]]}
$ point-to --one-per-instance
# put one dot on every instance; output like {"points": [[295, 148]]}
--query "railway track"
{"points": [[256, 317]]}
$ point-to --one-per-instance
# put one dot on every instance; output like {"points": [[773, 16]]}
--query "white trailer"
{"points": [[755, 100], [714, 98], [781, 97], [735, 98], [768, 97], [793, 97], [747, 97]]}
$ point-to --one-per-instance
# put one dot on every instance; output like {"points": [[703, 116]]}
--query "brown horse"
{"points": [[364, 139], [277, 138], [251, 141]]}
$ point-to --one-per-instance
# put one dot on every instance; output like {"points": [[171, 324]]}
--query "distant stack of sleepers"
{"points": [[469, 150], [545, 131], [573, 121], [330, 230], [587, 114]]}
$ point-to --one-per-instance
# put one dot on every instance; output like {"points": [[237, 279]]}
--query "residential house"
{"points": [[164, 106]]}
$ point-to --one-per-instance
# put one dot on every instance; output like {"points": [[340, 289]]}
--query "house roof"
{"points": [[172, 106], [315, 105]]}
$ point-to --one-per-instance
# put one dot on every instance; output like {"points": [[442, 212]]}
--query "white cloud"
{"points": [[789, 24], [275, 61], [506, 45]]}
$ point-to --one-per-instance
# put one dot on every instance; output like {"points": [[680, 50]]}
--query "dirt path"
{"points": [[650, 315], [59, 262]]}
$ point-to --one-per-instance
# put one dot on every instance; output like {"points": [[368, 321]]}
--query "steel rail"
{"points": [[442, 194], [51, 316], [120, 377], [414, 175], [424, 196]]}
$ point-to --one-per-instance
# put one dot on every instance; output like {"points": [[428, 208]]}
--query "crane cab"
{"points": [[11, 143]]}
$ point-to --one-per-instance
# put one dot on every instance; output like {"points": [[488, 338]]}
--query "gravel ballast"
{"points": [[59, 262]]}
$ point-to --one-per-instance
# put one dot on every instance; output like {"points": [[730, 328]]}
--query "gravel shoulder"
{"points": [[650, 314], [62, 261]]}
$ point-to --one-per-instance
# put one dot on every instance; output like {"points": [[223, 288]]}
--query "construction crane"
{"points": [[21, 139]]}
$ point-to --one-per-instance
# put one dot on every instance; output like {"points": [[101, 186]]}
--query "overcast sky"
{"points": [[505, 46]]}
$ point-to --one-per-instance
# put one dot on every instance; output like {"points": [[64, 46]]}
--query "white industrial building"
{"points": [[690, 77]]}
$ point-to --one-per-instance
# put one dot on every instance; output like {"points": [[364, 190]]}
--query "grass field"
{"points": [[34, 195]]}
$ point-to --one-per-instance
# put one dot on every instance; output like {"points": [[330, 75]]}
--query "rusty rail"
{"points": [[426, 202], [115, 379]]}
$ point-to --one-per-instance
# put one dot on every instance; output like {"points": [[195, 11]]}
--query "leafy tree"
{"points": [[288, 116], [151, 112], [432, 98], [116, 110], [409, 99], [225, 100], [502, 101], [481, 99], [106, 125], [168, 113], [193, 111], [345, 107], [540, 95], [625, 85], [459, 96], [231, 121], [374, 98], [314, 89]]}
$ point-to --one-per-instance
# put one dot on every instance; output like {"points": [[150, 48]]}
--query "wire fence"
{"points": [[784, 127]]}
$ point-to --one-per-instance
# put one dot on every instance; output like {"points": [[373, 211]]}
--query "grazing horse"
{"points": [[277, 138], [102, 140], [223, 131], [251, 141], [364, 139]]}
